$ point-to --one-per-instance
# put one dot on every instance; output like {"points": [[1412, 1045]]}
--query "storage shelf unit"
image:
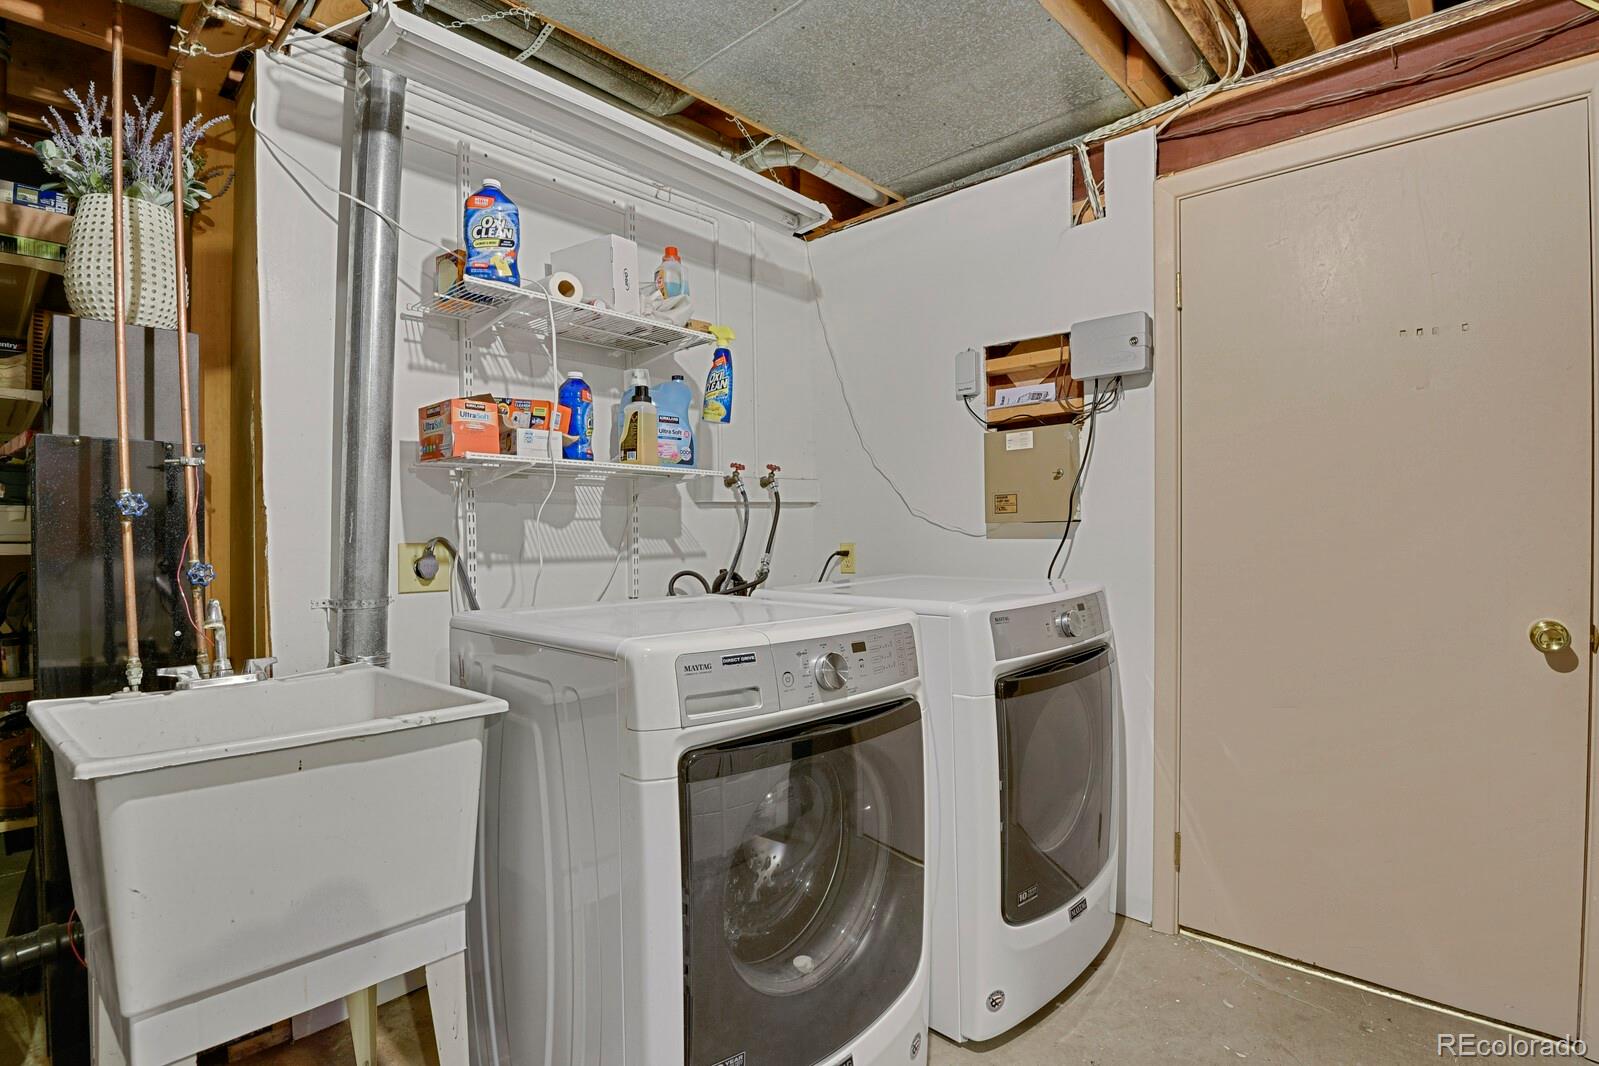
{"points": [[15, 825], [485, 305], [16, 684], [16, 547], [18, 409], [498, 467]]}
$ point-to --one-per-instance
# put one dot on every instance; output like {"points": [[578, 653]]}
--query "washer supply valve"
{"points": [[132, 504], [200, 574], [735, 474], [771, 476]]}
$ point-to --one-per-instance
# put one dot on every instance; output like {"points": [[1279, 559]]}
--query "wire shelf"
{"points": [[494, 304], [500, 467]]}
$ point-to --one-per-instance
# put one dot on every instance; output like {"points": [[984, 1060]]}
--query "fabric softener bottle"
{"points": [[493, 230]]}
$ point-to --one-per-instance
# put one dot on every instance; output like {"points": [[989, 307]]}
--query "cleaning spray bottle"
{"points": [[718, 404]]}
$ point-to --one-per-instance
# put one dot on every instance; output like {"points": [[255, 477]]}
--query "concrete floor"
{"points": [[1150, 999]]}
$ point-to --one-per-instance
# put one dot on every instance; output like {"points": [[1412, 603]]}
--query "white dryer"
{"points": [[704, 836], [1022, 694]]}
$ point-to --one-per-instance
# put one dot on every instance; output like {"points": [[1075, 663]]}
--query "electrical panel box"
{"points": [[1111, 346], [1028, 473]]}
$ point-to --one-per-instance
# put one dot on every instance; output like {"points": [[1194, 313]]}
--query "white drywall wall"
{"points": [[755, 282], [998, 262]]}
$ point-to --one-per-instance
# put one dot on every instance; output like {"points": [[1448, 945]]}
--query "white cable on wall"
{"points": [[843, 391]]}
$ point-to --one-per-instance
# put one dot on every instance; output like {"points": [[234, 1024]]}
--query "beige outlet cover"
{"points": [[409, 582]]}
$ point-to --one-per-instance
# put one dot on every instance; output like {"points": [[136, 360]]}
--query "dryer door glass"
{"points": [[1055, 748], [802, 881]]}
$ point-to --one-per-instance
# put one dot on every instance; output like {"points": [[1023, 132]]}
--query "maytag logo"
{"points": [[738, 660], [698, 668], [1077, 909]]}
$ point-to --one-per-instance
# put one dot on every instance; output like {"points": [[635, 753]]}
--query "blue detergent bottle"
{"points": [[577, 397], [673, 399], [493, 230]]}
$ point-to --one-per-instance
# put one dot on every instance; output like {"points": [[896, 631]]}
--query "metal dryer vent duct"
{"points": [[550, 47], [1158, 29]]}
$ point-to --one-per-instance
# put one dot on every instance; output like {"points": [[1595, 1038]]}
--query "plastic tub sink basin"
{"points": [[245, 853]]}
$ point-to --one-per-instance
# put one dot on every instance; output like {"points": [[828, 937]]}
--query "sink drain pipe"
{"points": [[39, 948], [360, 607]]}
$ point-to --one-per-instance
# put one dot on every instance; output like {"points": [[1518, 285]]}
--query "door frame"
{"points": [[1576, 80]]}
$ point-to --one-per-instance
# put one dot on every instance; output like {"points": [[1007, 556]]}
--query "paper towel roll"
{"points": [[565, 285]]}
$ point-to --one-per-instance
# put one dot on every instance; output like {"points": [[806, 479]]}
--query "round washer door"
{"points": [[803, 881]]}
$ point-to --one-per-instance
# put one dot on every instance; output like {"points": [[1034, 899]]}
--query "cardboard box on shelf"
{"points": [[34, 223], [517, 414], [452, 428]]}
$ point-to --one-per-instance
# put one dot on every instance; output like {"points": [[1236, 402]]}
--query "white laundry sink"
{"points": [[242, 854]]}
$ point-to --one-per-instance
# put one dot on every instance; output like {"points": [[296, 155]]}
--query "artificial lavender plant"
{"points": [[78, 152]]}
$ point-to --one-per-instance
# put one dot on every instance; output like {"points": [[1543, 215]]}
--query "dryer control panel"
{"points": [[829, 668], [1041, 627]]}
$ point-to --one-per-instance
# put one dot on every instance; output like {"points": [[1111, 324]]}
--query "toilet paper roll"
{"points": [[565, 285]]}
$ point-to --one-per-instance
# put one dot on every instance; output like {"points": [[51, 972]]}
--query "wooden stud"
{"points": [[147, 37], [1327, 22], [1419, 8], [1144, 80]]}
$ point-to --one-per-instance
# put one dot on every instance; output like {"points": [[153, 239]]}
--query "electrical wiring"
{"points": [[554, 437], [1077, 483], [849, 408], [827, 564]]}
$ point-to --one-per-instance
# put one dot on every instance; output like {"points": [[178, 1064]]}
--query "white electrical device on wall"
{"points": [[1109, 347]]}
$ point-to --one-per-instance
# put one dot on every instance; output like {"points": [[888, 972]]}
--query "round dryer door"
{"points": [[803, 879]]}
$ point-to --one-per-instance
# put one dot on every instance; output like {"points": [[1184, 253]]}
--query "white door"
{"points": [[1387, 462]]}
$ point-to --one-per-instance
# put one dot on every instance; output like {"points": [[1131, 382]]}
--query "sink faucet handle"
{"points": [[184, 675], [262, 667]]}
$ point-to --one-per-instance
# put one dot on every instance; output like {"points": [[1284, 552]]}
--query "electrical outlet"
{"points": [[411, 581], [846, 565]]}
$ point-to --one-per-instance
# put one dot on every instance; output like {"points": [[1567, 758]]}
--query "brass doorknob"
{"points": [[1550, 637]]}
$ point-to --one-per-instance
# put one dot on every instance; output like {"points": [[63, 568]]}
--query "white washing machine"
{"points": [[704, 838], [1026, 712]]}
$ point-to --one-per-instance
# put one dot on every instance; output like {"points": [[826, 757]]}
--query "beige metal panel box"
{"points": [[1028, 473]]}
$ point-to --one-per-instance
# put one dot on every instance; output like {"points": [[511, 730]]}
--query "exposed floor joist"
{"points": [[1100, 34], [146, 36], [1327, 22]]}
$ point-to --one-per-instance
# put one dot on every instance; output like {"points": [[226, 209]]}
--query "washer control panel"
{"points": [[827, 668], [1043, 627]]}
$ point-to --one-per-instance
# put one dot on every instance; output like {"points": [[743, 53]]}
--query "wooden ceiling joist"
{"points": [[1327, 22], [147, 37], [1100, 34], [1195, 15]]}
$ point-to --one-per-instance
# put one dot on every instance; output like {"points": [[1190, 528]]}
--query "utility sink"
{"points": [[242, 854]]}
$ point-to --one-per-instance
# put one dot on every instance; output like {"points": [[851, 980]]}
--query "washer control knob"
{"points": [[1063, 624], [830, 671]]}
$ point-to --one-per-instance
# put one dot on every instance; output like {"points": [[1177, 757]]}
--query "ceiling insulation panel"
{"points": [[910, 94]]}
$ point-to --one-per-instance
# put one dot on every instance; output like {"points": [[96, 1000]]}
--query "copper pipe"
{"points": [[130, 606], [191, 472]]}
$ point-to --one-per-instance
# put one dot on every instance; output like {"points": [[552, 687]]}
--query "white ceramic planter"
{"points": [[149, 257]]}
